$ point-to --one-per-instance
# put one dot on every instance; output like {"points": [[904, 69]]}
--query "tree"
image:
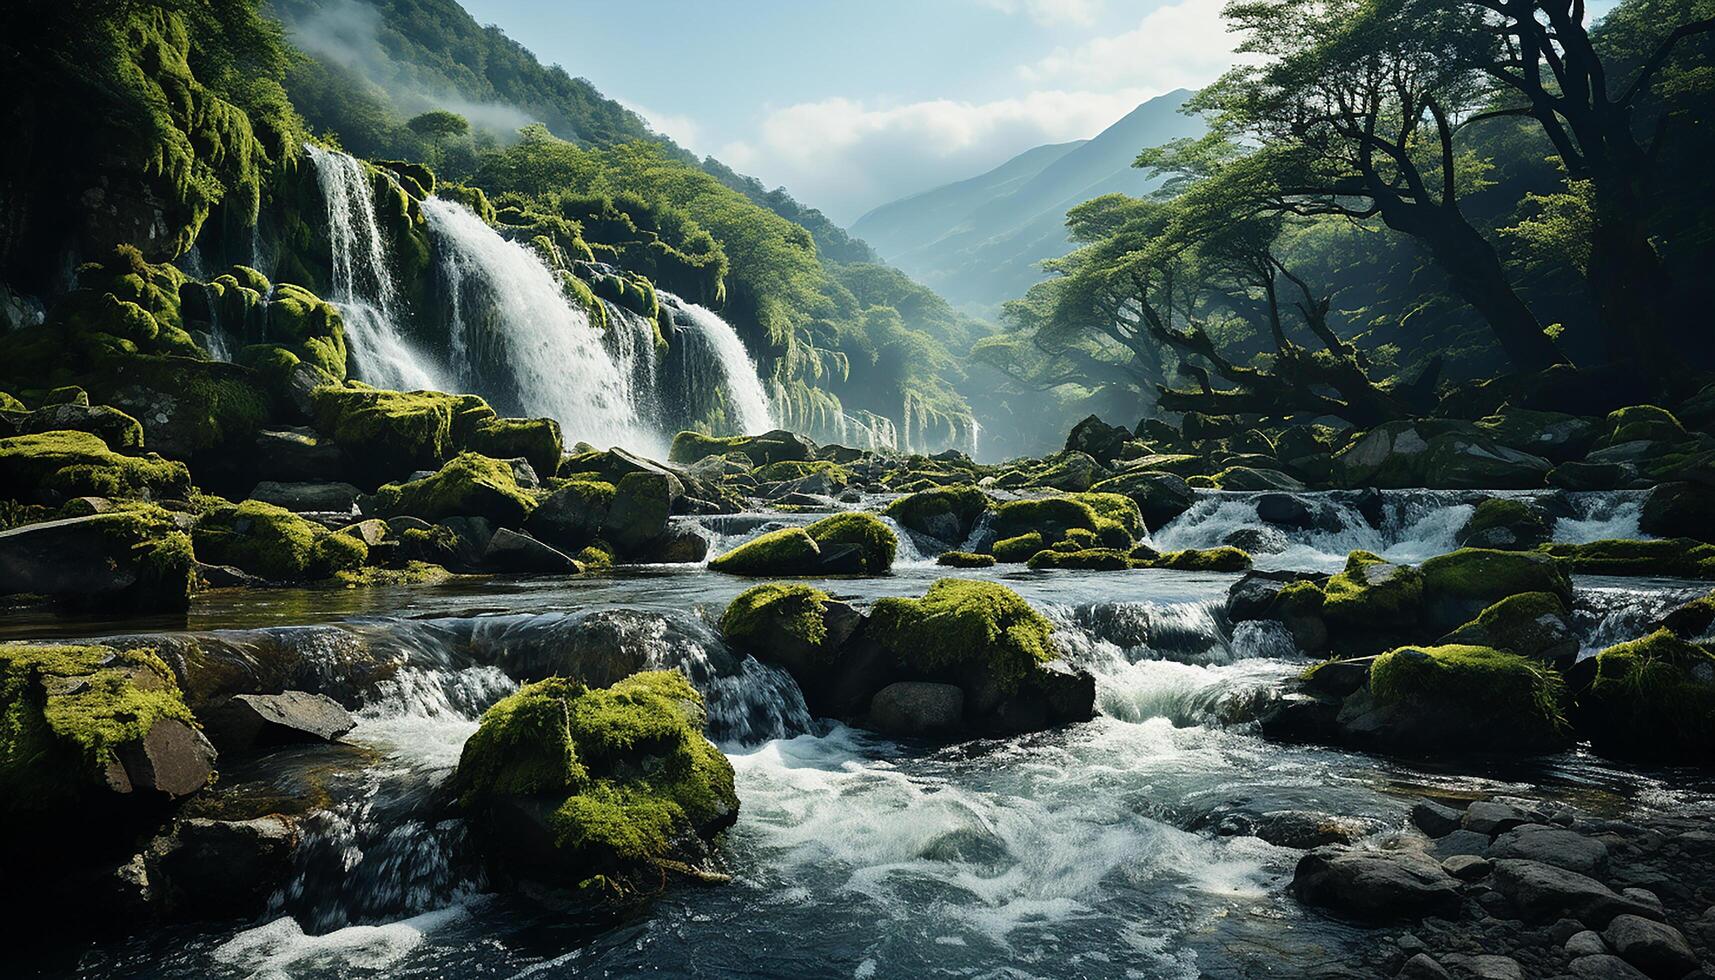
{"points": [[438, 125], [1354, 103], [1547, 67]]}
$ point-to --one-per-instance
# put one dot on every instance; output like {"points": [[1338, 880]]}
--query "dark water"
{"points": [[1081, 852]]}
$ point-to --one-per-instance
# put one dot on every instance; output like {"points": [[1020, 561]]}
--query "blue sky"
{"points": [[852, 104]]}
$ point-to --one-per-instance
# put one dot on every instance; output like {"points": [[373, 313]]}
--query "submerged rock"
{"points": [[947, 514], [1507, 524]]}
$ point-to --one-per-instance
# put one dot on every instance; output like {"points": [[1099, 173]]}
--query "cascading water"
{"points": [[630, 342], [520, 342], [712, 357], [363, 286]]}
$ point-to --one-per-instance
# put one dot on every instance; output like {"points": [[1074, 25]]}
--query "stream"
{"points": [[1100, 850]]}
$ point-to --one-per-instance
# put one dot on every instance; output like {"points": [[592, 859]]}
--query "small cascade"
{"points": [[630, 341], [517, 340], [1604, 615], [711, 356], [363, 286]]}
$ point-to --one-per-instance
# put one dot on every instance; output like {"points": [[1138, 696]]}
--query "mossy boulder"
{"points": [[1459, 585], [637, 522], [845, 544], [1160, 496], [946, 514], [572, 516], [1223, 558], [1086, 559], [1679, 510], [1256, 478], [1530, 624], [469, 485], [1115, 512], [1373, 595], [830, 475], [964, 559], [1051, 517], [1652, 697], [604, 787], [1667, 557], [50, 466], [188, 406], [769, 447], [809, 633], [274, 543], [1018, 548], [1071, 471], [984, 638], [136, 557], [91, 740], [387, 434], [1506, 523], [1458, 698], [115, 428], [1098, 439], [537, 441], [1636, 423], [1555, 436]]}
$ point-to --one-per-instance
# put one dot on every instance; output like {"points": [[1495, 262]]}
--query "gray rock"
{"points": [[1485, 966], [513, 551], [1467, 867], [1604, 967], [303, 497], [1647, 898], [1544, 892], [1489, 817], [249, 721], [1375, 885], [1435, 819], [1586, 943], [1423, 967], [1553, 845], [1656, 948], [220, 868], [916, 708], [1467, 842], [296, 455]]}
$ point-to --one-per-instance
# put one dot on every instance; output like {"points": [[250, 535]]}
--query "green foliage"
{"points": [[76, 464], [1373, 593], [1482, 573], [469, 485], [1653, 696], [1018, 548], [1677, 557], [961, 623], [796, 610]]}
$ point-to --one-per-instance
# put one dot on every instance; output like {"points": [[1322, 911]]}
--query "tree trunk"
{"points": [[1631, 287]]}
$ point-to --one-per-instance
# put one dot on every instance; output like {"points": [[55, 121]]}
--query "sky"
{"points": [[851, 104]]}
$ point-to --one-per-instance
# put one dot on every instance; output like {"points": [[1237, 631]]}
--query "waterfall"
{"points": [[631, 342], [519, 341], [363, 286], [715, 357]]}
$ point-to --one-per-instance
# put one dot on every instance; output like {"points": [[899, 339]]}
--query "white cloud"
{"points": [[1051, 13], [682, 129], [1181, 45], [846, 156]]}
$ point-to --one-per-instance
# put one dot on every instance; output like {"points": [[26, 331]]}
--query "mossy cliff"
{"points": [[597, 786]]}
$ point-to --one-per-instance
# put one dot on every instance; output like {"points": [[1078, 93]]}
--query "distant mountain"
{"points": [[980, 242]]}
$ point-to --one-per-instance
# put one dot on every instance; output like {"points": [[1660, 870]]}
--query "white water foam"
{"points": [[717, 358]]}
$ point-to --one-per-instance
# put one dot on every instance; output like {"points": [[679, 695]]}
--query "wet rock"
{"points": [[296, 455], [642, 502], [1256, 540], [1490, 817], [1544, 892], [572, 516], [136, 560], [1160, 496], [917, 708], [1467, 867], [1460, 843], [514, 551], [1505, 523], [1603, 967], [220, 869], [1375, 885], [1586, 943], [1098, 439], [1531, 624], [1593, 476], [1656, 948], [1423, 967], [1485, 966], [1679, 510], [1553, 845], [1337, 678], [304, 497], [683, 545], [248, 721], [1435, 819], [1297, 829], [1257, 478], [1285, 510]]}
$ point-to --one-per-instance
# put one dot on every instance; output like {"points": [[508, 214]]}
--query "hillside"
{"points": [[978, 242]]}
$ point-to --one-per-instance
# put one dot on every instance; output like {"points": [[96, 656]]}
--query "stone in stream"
{"points": [[1435, 819], [1377, 886], [248, 721], [918, 709], [1490, 817], [219, 869], [305, 497], [1604, 966], [1553, 845], [1467, 867], [1544, 892], [1422, 966], [1656, 948], [1485, 966], [514, 551], [1459, 842], [1587, 942]]}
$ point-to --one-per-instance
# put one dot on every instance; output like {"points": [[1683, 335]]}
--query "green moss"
{"points": [[411, 573], [758, 612], [65, 710], [688, 447], [1484, 573], [78, 464], [964, 559], [875, 541], [1373, 593], [1528, 525], [1524, 624], [1020, 548], [1673, 557], [275, 543], [1474, 682], [470, 485], [800, 551], [626, 768], [537, 440], [1640, 422], [1221, 559], [1089, 559], [795, 469], [387, 433], [1115, 509], [596, 555], [1052, 517], [964, 622], [929, 511], [1653, 696]]}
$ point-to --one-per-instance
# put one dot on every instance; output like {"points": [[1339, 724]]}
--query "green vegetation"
{"points": [[274, 543], [1373, 593], [849, 543], [469, 485], [962, 623], [77, 464], [1486, 574], [1652, 696], [1219, 559], [964, 559], [1677, 557], [1477, 684], [761, 611]]}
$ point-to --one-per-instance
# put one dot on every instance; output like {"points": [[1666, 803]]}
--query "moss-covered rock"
{"points": [[836, 476], [1668, 557], [769, 447], [386, 434], [1433, 699], [274, 543], [1639, 422], [134, 557], [1373, 594], [1019, 548], [964, 559], [1652, 697], [1160, 496], [538, 441], [1679, 510], [572, 516], [1087, 559], [1051, 517], [48, 466], [86, 730], [946, 514], [115, 428], [470, 485], [1506, 523], [806, 631], [604, 786], [853, 543], [1219, 559], [1115, 512], [1530, 624], [1459, 585], [961, 626]]}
